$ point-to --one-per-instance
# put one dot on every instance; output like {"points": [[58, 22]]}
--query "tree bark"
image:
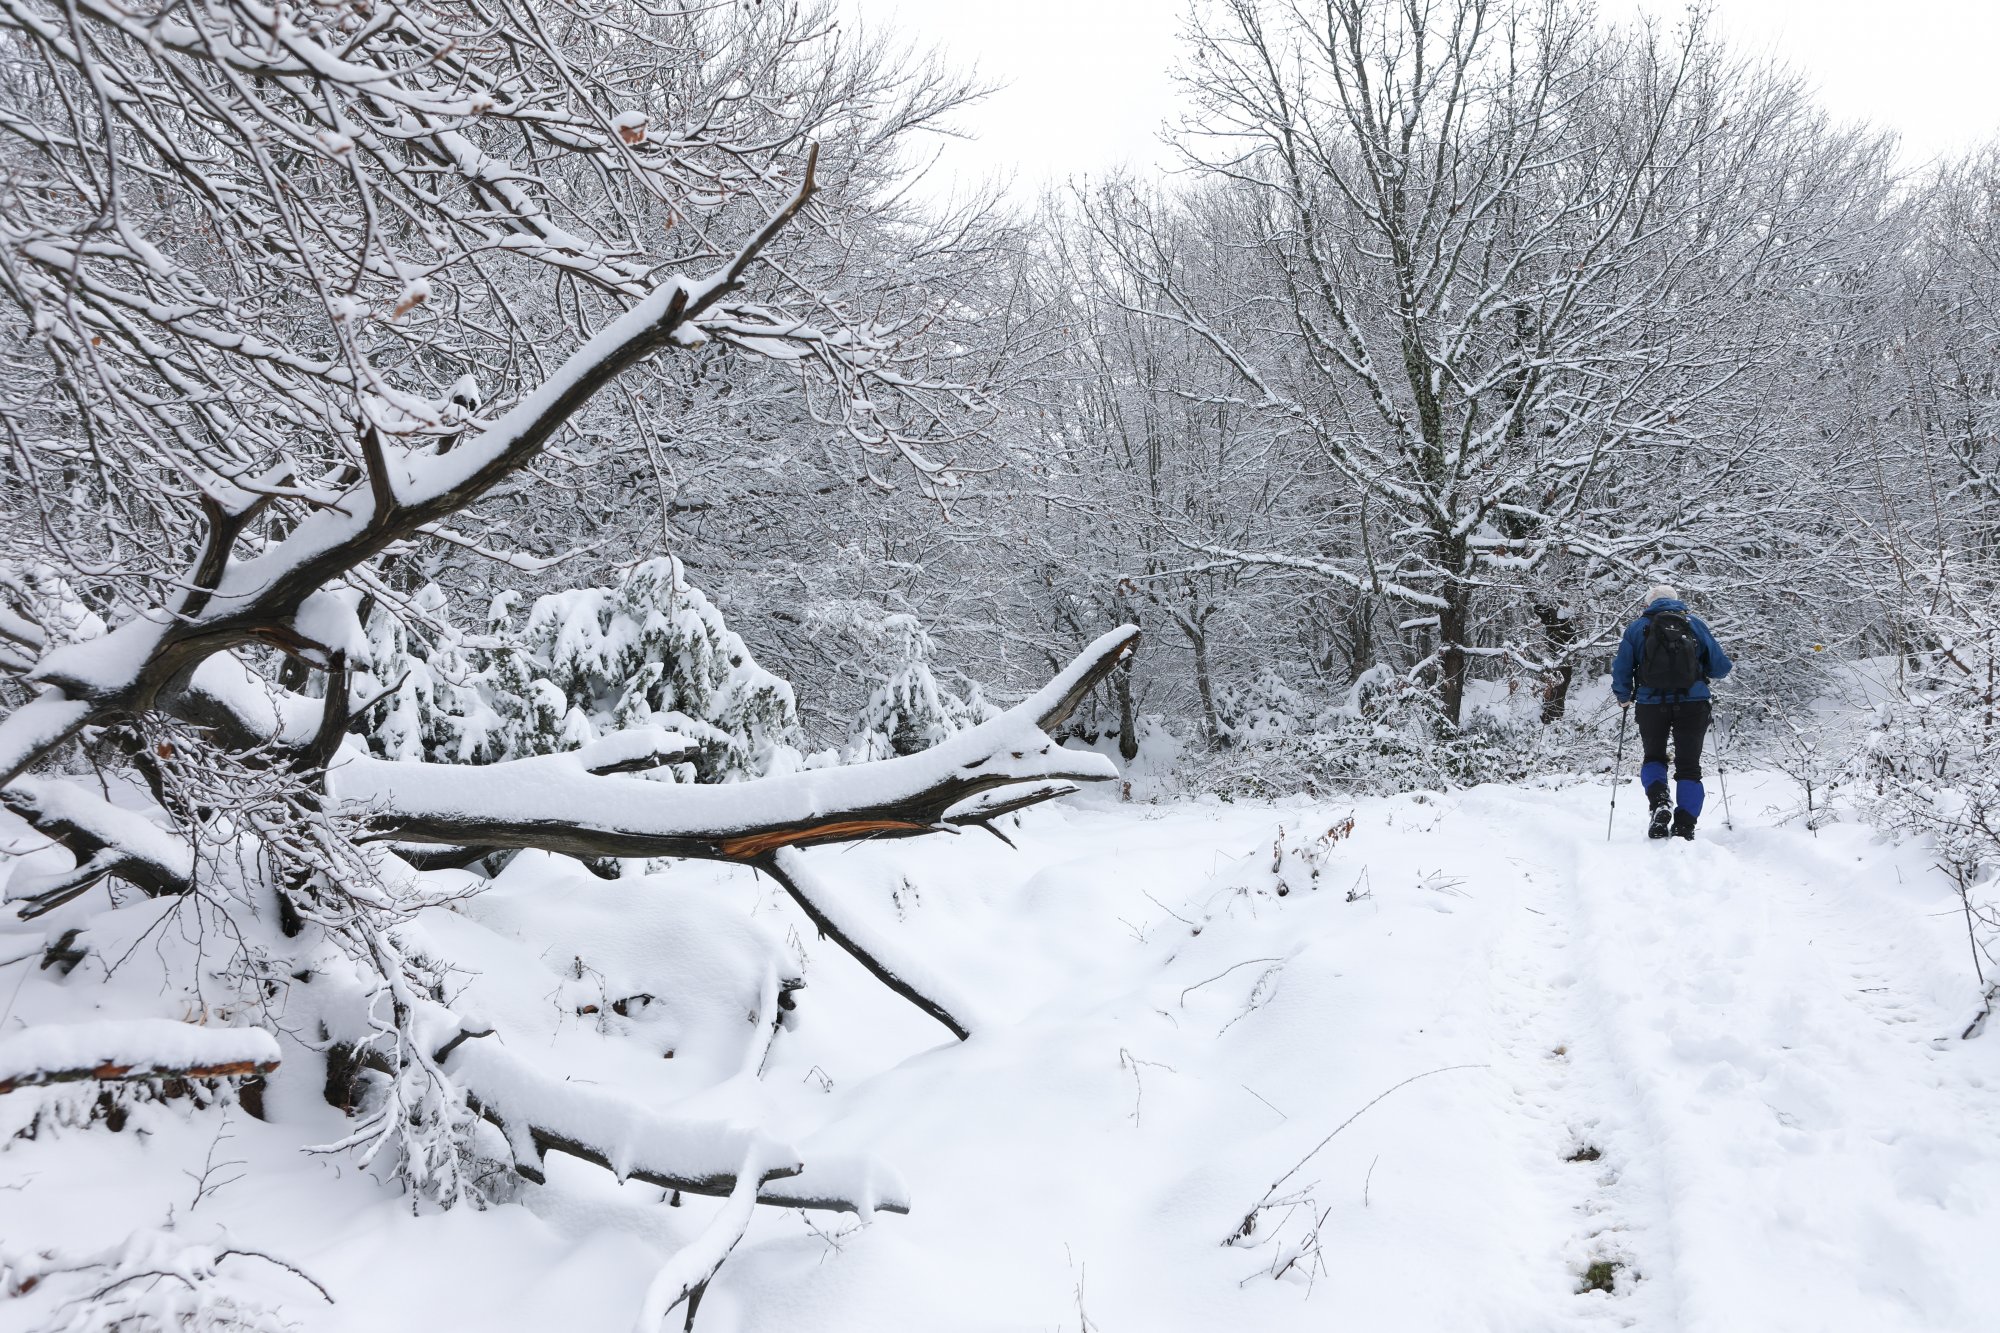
{"points": [[1454, 624], [1559, 634], [1128, 724], [1204, 682], [113, 1073]]}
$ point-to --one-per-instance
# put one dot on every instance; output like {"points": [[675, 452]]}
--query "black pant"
{"points": [[1686, 724]]}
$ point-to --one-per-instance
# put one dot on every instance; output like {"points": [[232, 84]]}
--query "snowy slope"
{"points": [[1755, 1035]]}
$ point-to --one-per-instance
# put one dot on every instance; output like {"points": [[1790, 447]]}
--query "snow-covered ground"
{"points": [[1729, 1073]]}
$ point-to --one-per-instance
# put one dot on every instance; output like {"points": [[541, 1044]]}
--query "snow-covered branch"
{"points": [[555, 802], [104, 839], [540, 1114], [124, 1050]]}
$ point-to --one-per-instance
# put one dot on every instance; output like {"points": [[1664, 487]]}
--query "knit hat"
{"points": [[1662, 592]]}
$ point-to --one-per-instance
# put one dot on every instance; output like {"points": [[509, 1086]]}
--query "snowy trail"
{"points": [[1577, 1104], [1755, 1035], [1823, 1142]]}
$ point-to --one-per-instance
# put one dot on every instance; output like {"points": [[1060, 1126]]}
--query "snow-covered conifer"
{"points": [[910, 710]]}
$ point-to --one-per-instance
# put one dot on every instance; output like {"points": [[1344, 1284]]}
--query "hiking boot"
{"points": [[1683, 825], [1663, 810]]}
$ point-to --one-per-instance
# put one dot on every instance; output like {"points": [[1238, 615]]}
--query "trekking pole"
{"points": [[1617, 774], [1722, 776]]}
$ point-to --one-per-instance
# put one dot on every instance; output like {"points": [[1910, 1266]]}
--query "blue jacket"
{"points": [[1715, 663]]}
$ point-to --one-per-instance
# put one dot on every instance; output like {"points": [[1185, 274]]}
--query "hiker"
{"points": [[1665, 661]]}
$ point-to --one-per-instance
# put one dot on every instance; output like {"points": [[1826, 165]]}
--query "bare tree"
{"points": [[1138, 450], [1950, 350], [1509, 259]]}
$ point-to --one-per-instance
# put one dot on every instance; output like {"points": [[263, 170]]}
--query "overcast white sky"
{"points": [[1088, 88]]}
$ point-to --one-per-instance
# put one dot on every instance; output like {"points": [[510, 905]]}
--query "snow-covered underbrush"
{"points": [[1383, 735], [624, 1022], [354, 949], [1932, 762], [1931, 770]]}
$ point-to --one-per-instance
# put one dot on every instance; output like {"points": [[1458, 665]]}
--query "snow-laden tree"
{"points": [[288, 291], [580, 665], [1949, 352], [1922, 512], [1512, 272], [910, 709]]}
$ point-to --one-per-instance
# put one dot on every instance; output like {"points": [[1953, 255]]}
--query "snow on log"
{"points": [[1051, 705], [540, 1114], [635, 750], [241, 709], [841, 1184], [104, 839], [115, 1050], [555, 803], [35, 728]]}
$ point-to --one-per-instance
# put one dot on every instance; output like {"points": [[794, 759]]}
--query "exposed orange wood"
{"points": [[753, 845], [110, 1073]]}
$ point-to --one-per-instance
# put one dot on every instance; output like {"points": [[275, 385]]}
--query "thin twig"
{"points": [[1358, 1114], [1249, 1224], [1157, 903], [1223, 973]]}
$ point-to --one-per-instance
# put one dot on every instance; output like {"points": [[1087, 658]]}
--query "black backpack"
{"points": [[1670, 654]]}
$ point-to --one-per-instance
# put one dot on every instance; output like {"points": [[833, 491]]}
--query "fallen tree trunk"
{"points": [[588, 804], [577, 805]]}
